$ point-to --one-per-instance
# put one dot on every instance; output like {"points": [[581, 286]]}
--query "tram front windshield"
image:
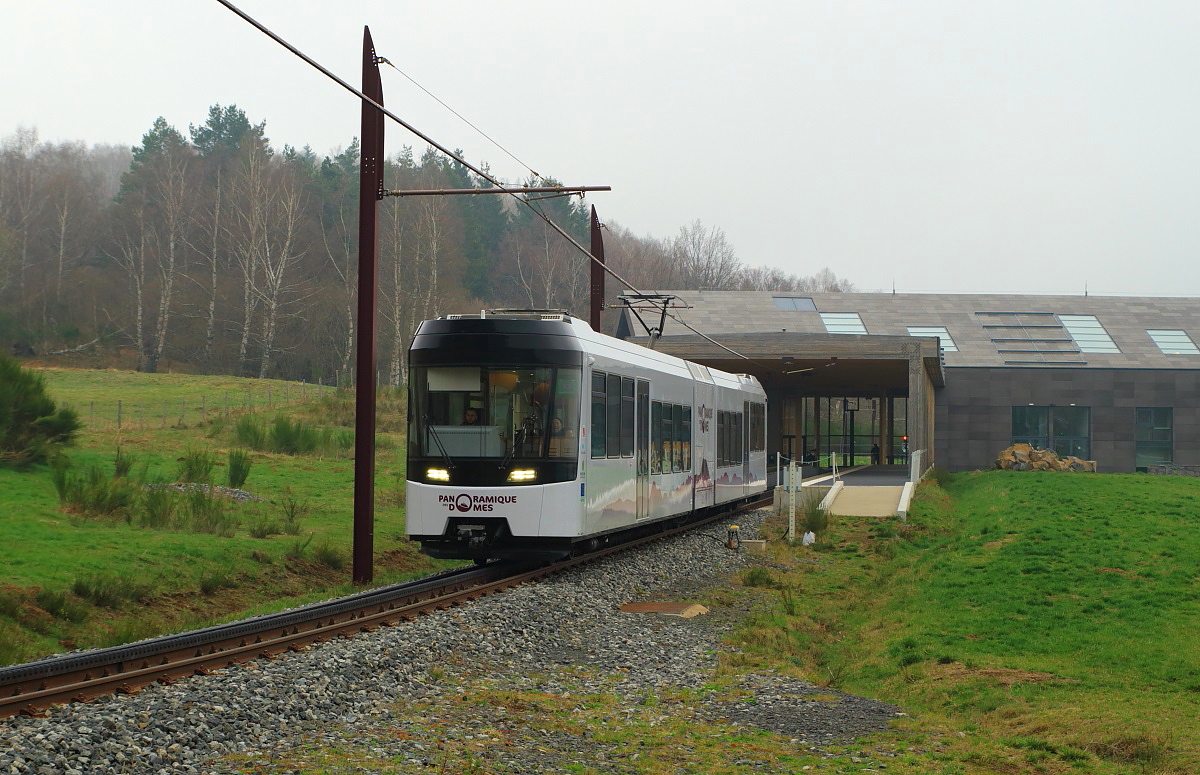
{"points": [[506, 412]]}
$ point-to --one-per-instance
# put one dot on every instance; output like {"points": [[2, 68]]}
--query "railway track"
{"points": [[34, 687]]}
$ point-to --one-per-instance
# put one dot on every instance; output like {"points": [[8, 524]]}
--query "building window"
{"points": [[1173, 341], [795, 303], [1065, 429], [1031, 425], [843, 323], [1089, 334], [1153, 436], [940, 332]]}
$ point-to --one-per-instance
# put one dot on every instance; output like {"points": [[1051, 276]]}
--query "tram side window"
{"points": [[676, 438], [599, 415], [731, 450], [738, 446], [670, 438], [722, 438], [614, 415], [686, 436], [670, 461], [627, 417], [656, 437], [758, 427]]}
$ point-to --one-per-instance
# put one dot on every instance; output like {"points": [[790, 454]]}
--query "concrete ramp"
{"points": [[854, 501]]}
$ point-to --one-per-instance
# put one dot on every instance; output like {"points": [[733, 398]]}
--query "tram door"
{"points": [[642, 435]]}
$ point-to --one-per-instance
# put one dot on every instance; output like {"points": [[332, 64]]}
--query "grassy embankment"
{"points": [[72, 579], [1025, 622], [1029, 622]]}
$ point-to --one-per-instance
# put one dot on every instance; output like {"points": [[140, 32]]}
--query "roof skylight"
{"points": [[795, 303], [1089, 334], [947, 343], [843, 323], [1173, 341]]}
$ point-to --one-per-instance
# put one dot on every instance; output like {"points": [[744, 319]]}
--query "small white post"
{"points": [[791, 500]]}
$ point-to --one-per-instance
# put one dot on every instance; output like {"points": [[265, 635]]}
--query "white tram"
{"points": [[533, 436]]}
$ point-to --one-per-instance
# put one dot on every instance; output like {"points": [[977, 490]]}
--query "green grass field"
{"points": [[1028, 622], [48, 554]]}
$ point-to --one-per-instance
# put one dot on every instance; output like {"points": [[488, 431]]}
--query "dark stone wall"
{"points": [[974, 410]]}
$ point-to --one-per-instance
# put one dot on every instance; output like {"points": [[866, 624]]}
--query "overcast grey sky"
{"points": [[981, 146]]}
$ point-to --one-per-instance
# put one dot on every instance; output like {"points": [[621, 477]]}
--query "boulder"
{"points": [[1023, 457]]}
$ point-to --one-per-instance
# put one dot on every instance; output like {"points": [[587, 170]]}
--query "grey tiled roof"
{"points": [[1126, 318]]}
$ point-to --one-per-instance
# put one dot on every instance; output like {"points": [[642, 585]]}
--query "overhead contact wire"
{"points": [[532, 171], [484, 175], [489, 178]]}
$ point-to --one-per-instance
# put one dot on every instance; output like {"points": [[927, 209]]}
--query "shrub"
{"points": [[816, 519], [205, 513], [58, 603], [93, 493], [249, 431], [293, 438], [122, 465], [298, 548], [210, 583], [758, 576], [14, 644], [329, 556], [158, 507], [10, 603], [238, 468], [265, 528], [110, 590], [196, 465], [294, 510], [32, 428]]}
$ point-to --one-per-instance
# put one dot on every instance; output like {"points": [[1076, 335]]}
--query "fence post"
{"points": [[249, 401], [118, 414], [182, 410], [203, 411]]}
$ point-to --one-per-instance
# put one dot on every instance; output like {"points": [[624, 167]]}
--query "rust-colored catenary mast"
{"points": [[597, 264], [370, 191]]}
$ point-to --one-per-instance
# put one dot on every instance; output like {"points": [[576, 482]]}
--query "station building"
{"points": [[950, 379]]}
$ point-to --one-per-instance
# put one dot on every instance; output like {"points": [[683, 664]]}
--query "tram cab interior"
{"points": [[506, 412]]}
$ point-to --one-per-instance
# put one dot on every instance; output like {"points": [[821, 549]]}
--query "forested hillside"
{"points": [[211, 250]]}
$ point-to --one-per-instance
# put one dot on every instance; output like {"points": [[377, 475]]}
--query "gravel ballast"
{"points": [[562, 636]]}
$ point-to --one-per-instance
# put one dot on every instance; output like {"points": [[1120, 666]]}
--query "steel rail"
{"points": [[33, 688]]}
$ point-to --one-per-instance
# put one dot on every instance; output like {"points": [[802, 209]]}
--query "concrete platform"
{"points": [[867, 501]]}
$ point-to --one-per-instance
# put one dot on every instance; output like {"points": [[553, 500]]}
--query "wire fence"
{"points": [[200, 409]]}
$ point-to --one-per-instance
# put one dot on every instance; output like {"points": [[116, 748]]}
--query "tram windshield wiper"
{"points": [[518, 440], [438, 440]]}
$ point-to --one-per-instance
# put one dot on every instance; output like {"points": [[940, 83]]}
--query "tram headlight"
{"points": [[437, 475], [522, 475]]}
